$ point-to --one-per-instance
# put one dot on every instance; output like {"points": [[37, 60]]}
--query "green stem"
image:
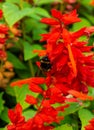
{"points": [[24, 35], [62, 7], [31, 68]]}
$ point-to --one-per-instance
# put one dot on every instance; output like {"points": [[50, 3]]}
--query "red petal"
{"points": [[21, 82], [37, 80], [49, 21], [35, 88], [18, 108], [78, 33], [11, 127], [70, 18], [11, 115], [57, 14], [80, 95], [30, 99]]}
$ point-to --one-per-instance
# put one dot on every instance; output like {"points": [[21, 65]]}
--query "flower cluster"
{"points": [[71, 72], [6, 68], [35, 123], [46, 114], [72, 65], [3, 38]]}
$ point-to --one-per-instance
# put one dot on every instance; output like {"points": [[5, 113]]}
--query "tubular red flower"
{"points": [[70, 18], [61, 18], [16, 118], [37, 80], [80, 95]]}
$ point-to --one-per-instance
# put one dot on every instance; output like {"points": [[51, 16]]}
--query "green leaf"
{"points": [[32, 24], [25, 4], [4, 115], [41, 2], [71, 109], [84, 23], [15, 61], [41, 12], [71, 120], [37, 32], [85, 115], [20, 94], [29, 113], [85, 2], [28, 50], [13, 1], [38, 13], [3, 128], [10, 91], [64, 127], [12, 13], [1, 102]]}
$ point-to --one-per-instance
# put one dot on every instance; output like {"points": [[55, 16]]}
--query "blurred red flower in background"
{"points": [[3, 37], [92, 2]]}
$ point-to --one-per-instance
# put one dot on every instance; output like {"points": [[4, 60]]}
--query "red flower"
{"points": [[16, 118], [66, 53], [91, 125], [3, 33], [92, 2], [37, 122], [71, 72], [61, 18]]}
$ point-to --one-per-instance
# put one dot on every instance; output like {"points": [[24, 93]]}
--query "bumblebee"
{"points": [[92, 49], [45, 64]]}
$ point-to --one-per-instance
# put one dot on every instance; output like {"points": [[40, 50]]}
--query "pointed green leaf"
{"points": [[41, 12], [28, 50], [85, 115], [4, 115], [41, 2], [15, 61], [29, 113], [20, 94], [64, 127], [71, 109], [13, 1], [3, 128], [84, 23], [13, 14]]}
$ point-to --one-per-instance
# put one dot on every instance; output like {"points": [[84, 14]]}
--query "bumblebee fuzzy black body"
{"points": [[92, 49], [45, 64]]}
